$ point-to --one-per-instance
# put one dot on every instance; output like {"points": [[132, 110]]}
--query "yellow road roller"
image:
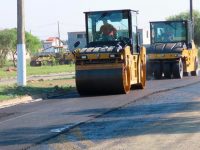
{"points": [[113, 60], [172, 52]]}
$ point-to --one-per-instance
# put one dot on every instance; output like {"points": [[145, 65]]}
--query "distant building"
{"points": [[144, 36], [73, 37], [52, 44]]}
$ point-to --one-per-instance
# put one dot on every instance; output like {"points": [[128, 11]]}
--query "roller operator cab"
{"points": [[172, 52], [112, 60]]}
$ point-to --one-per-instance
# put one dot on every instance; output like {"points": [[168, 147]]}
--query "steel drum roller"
{"points": [[99, 81]]}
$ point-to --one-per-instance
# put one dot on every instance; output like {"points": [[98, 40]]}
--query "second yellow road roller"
{"points": [[113, 60], [172, 53]]}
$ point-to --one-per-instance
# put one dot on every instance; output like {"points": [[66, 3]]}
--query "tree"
{"points": [[186, 16], [33, 44], [8, 44]]}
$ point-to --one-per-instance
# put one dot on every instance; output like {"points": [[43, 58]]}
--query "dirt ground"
{"points": [[50, 82], [9, 81]]}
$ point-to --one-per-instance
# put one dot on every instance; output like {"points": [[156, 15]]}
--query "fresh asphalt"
{"points": [[26, 125]]}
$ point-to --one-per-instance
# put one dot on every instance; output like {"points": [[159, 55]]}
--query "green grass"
{"points": [[38, 70], [50, 69], [42, 88], [35, 88], [6, 74], [5, 97]]}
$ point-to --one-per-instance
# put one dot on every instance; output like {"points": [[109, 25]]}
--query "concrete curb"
{"points": [[19, 100]]}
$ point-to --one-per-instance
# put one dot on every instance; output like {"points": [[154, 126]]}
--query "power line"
{"points": [[44, 25]]}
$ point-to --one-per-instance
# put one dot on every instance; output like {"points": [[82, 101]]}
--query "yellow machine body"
{"points": [[42, 59], [110, 72], [51, 58], [175, 56], [188, 57]]}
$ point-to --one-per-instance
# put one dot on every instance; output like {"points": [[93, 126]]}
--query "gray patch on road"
{"points": [[62, 129]]}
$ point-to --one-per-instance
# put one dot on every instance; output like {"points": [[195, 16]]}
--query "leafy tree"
{"points": [[33, 44], [186, 16], [8, 44]]}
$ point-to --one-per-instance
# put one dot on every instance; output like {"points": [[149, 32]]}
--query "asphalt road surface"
{"points": [[163, 121], [165, 115]]}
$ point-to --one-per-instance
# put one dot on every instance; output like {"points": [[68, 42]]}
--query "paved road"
{"points": [[24, 125], [163, 121]]}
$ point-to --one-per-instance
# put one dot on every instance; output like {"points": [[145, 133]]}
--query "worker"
{"points": [[168, 35], [108, 31]]}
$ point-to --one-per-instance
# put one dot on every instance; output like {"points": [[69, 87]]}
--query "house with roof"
{"points": [[52, 45]]}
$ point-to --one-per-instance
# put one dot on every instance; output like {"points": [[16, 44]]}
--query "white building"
{"points": [[73, 37], [144, 36], [52, 45]]}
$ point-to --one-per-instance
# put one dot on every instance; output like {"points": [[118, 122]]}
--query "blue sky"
{"points": [[42, 15]]}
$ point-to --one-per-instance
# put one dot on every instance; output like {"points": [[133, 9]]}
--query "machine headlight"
{"points": [[178, 55], [163, 55], [83, 57], [112, 55]]}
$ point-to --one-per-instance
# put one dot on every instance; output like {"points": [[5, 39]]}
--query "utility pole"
{"points": [[191, 17], [59, 33], [191, 11], [21, 49]]}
